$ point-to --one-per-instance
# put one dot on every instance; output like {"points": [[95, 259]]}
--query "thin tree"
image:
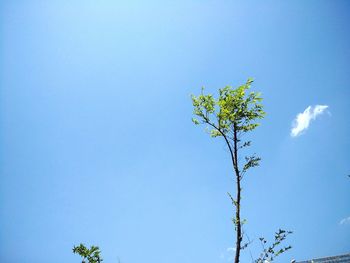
{"points": [[234, 113]]}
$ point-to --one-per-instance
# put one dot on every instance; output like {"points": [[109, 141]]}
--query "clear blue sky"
{"points": [[97, 144]]}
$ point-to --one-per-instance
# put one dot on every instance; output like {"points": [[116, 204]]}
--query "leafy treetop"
{"points": [[234, 109]]}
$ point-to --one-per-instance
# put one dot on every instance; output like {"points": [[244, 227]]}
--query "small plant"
{"points": [[91, 255], [270, 253]]}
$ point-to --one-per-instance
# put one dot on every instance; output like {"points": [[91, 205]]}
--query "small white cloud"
{"points": [[231, 249], [228, 255], [345, 221], [302, 120]]}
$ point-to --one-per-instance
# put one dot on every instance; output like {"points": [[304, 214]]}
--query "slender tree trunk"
{"points": [[234, 158], [238, 198], [238, 220]]}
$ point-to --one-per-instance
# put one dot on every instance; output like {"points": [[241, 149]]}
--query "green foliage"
{"points": [[271, 252], [251, 161], [92, 255], [233, 109]]}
